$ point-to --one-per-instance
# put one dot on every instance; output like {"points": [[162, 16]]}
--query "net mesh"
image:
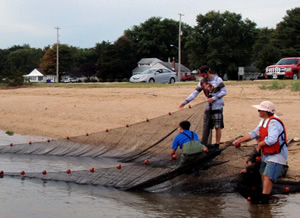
{"points": [[130, 145]]}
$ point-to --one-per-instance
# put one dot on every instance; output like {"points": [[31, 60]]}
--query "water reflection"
{"points": [[24, 197]]}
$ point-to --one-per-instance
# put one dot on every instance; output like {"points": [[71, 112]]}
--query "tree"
{"points": [[66, 59], [13, 77], [154, 37], [24, 59], [88, 69], [265, 52], [117, 60], [223, 41], [3, 58], [288, 33]]}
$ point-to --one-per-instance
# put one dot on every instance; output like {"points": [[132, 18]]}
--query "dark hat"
{"points": [[203, 69]]}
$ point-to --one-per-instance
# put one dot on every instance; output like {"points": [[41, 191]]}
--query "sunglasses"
{"points": [[260, 111]]}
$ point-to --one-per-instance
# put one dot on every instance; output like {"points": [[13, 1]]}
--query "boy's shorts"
{"points": [[215, 117], [270, 169]]}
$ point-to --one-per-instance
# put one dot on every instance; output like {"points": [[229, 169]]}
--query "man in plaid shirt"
{"points": [[214, 90]]}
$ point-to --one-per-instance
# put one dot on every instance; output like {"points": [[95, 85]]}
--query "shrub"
{"points": [[13, 77]]}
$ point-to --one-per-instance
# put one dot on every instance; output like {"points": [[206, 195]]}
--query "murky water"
{"points": [[36, 198]]}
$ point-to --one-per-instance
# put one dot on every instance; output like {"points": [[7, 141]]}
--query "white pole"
{"points": [[57, 54], [179, 48]]}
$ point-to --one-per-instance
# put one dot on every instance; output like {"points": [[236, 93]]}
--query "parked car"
{"points": [[285, 68], [71, 80], [188, 78], [155, 76]]}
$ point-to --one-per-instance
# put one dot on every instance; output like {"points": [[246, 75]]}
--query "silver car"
{"points": [[155, 76]]}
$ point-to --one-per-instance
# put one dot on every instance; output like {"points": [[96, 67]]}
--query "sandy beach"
{"points": [[59, 112]]}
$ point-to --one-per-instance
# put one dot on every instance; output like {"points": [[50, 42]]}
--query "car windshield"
{"points": [[149, 71], [287, 61]]}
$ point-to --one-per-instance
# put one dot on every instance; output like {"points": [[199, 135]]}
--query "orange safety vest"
{"points": [[275, 148]]}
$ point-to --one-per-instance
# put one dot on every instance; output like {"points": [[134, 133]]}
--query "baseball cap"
{"points": [[265, 106], [203, 70]]}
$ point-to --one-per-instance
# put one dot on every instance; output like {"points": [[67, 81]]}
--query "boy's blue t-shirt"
{"points": [[181, 139]]}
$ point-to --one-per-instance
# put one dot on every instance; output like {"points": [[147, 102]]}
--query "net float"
{"points": [[258, 159], [286, 189], [237, 145]]}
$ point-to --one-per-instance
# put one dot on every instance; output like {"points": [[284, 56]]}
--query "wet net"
{"points": [[142, 153], [130, 146]]}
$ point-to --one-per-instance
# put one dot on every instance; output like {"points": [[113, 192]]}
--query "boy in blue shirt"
{"points": [[189, 142]]}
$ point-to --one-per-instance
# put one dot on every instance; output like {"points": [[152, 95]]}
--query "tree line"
{"points": [[224, 41]]}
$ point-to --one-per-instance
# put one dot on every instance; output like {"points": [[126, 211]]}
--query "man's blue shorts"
{"points": [[270, 169]]}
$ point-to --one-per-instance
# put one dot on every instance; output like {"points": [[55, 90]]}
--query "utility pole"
{"points": [[179, 48], [57, 53]]}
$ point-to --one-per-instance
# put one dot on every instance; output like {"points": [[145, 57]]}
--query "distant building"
{"points": [[36, 76], [149, 63]]}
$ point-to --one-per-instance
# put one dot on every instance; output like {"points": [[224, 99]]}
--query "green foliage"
{"points": [[223, 41], [25, 59], [10, 133], [13, 77], [117, 60], [154, 37], [295, 86], [66, 59], [265, 52], [288, 35]]}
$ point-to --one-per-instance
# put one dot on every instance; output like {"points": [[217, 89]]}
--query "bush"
{"points": [[13, 78], [125, 80]]}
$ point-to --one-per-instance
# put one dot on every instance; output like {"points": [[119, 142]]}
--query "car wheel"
{"points": [[151, 80], [172, 80], [295, 76]]}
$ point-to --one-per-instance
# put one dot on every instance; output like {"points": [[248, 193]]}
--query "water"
{"points": [[25, 197]]}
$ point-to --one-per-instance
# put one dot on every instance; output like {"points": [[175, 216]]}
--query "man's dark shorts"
{"points": [[215, 119]]}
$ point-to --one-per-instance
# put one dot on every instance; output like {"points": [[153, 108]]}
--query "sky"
{"points": [[83, 23]]}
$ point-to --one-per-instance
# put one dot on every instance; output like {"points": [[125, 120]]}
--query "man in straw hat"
{"points": [[272, 144]]}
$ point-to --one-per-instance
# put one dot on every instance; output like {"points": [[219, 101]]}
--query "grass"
{"points": [[10, 133], [110, 85], [296, 86], [275, 85]]}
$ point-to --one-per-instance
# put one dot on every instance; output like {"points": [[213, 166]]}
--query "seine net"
{"points": [[129, 146]]}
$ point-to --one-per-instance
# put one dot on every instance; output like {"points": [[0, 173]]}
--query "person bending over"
{"points": [[189, 142]]}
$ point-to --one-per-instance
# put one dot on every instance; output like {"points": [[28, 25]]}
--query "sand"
{"points": [[59, 112]]}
